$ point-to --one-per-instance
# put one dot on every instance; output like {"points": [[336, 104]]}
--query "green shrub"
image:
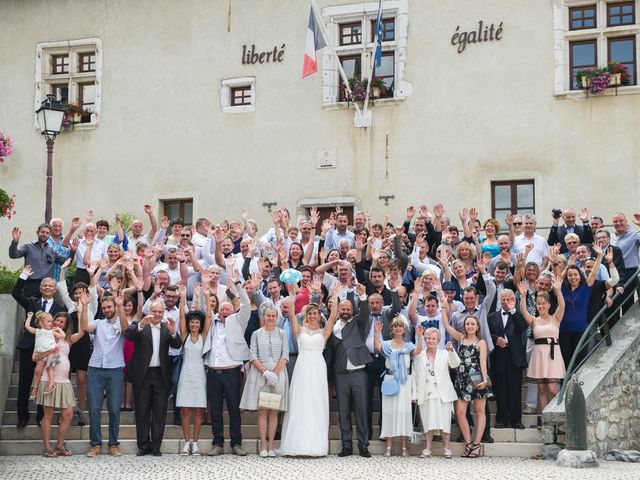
{"points": [[8, 279]]}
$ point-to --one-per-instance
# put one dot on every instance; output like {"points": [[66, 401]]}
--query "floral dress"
{"points": [[469, 364]]}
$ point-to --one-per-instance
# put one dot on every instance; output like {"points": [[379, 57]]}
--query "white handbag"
{"points": [[269, 400]]}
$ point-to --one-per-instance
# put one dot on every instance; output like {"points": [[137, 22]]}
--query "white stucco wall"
{"points": [[489, 113]]}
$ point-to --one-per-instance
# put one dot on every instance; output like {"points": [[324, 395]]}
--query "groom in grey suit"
{"points": [[350, 359]]}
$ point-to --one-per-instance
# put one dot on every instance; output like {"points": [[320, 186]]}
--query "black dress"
{"points": [[469, 364], [80, 352]]}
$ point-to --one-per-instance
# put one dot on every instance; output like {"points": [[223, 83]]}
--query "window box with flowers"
{"points": [[74, 114], [596, 80]]}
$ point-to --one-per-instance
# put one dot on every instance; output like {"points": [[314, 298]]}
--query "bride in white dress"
{"points": [[305, 431]]}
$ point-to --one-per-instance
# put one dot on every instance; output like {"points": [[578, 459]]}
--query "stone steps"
{"points": [[249, 431], [173, 446], [10, 418]]}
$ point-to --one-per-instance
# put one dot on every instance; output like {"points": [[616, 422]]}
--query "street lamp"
{"points": [[50, 115]]}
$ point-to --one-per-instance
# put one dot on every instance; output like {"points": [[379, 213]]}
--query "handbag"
{"points": [[417, 435], [390, 387], [476, 379], [269, 400]]}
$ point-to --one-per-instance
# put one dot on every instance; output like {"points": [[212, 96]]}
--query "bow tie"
{"points": [[155, 325], [510, 312], [219, 321]]}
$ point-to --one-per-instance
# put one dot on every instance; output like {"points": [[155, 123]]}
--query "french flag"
{"points": [[315, 41]]}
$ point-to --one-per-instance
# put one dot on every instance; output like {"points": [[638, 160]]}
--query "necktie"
{"points": [[43, 307]]}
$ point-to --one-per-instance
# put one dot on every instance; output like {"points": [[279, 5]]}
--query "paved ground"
{"points": [[253, 467]]}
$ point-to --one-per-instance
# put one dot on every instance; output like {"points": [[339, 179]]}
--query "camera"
{"points": [[556, 212]]}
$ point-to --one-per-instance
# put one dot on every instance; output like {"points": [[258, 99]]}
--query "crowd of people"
{"points": [[438, 318]]}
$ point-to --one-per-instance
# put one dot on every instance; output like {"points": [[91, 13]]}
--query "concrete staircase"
{"points": [[509, 442]]}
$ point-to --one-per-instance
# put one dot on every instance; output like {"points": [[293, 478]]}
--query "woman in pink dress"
{"points": [[546, 366], [62, 397]]}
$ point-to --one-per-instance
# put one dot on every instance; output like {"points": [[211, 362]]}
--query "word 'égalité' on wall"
{"points": [[250, 56], [484, 33]]}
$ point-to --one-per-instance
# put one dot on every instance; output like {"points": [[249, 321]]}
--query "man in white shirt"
{"points": [[540, 252], [225, 351], [137, 227]]}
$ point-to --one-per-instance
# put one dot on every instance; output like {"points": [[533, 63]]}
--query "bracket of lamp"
{"points": [[386, 199], [269, 205]]}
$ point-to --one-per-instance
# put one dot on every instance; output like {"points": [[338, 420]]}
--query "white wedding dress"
{"points": [[305, 430]]}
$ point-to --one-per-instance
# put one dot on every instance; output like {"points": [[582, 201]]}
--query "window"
{"points": [[241, 95], [623, 50], [621, 14], [352, 28], [386, 70], [71, 70], [59, 64], [351, 64], [583, 55], [351, 33], [516, 196], [388, 29], [593, 35], [87, 62], [182, 208], [238, 95], [581, 18]]}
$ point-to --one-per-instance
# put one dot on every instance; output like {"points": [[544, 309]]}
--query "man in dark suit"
{"points": [[350, 359], [384, 314], [557, 234], [508, 360], [503, 280], [150, 373], [44, 303]]}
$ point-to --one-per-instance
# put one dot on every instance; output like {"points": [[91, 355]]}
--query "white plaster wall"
{"points": [[487, 114]]}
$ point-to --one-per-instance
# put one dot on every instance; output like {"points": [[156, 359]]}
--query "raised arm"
{"points": [[75, 224], [335, 300], [27, 324], [456, 335], [208, 319], [522, 288], [413, 303], [557, 287], [594, 271], [181, 308], [377, 345], [63, 290], [82, 308], [152, 220]]}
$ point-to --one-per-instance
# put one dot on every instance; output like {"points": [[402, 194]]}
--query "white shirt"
{"points": [[337, 331], [155, 356], [540, 247], [174, 275], [98, 252], [198, 240], [218, 356]]}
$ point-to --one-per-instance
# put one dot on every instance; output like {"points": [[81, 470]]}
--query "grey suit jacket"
{"points": [[352, 345], [235, 326], [386, 315]]}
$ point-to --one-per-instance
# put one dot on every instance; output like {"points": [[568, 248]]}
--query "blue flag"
{"points": [[379, 35]]}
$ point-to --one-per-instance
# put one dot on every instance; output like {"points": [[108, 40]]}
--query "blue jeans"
{"points": [[99, 380]]}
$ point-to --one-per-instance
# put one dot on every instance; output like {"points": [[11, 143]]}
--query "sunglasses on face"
{"points": [[517, 223]]}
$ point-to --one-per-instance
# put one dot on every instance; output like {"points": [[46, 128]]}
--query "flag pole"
{"points": [[316, 12], [372, 59]]}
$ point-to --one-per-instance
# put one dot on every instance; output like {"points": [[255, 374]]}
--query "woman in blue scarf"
{"points": [[396, 408]]}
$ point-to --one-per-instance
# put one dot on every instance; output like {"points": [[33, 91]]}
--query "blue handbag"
{"points": [[390, 387]]}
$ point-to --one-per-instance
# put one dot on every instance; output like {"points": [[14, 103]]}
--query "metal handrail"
{"points": [[594, 329]]}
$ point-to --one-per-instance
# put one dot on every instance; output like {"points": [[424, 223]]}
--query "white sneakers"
{"points": [[190, 448]]}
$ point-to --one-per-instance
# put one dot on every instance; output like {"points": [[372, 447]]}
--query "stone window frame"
{"points": [[334, 16], [225, 94], [563, 36], [45, 78]]}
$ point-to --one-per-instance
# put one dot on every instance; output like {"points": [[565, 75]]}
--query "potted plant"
{"points": [[358, 90], [7, 202], [74, 112], [6, 146], [378, 88], [595, 80], [619, 74]]}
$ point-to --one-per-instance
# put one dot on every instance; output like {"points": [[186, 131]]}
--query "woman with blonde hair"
{"points": [[269, 356], [432, 389], [306, 424], [472, 379], [396, 408]]}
